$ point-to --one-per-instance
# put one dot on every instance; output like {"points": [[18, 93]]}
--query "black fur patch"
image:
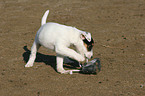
{"points": [[89, 44]]}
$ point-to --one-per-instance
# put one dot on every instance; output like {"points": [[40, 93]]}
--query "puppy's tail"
{"points": [[43, 21]]}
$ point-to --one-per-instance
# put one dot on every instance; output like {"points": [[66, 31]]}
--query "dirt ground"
{"points": [[117, 26]]}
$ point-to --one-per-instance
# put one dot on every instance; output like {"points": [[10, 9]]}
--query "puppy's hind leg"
{"points": [[32, 57]]}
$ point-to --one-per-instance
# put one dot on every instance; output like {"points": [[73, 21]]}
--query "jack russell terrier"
{"points": [[58, 38]]}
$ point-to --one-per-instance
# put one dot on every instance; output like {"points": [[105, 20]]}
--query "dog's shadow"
{"points": [[50, 59]]}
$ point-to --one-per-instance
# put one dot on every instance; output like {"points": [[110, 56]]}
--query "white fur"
{"points": [[58, 38]]}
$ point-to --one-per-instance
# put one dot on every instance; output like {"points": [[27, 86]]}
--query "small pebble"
{"points": [[100, 82]]}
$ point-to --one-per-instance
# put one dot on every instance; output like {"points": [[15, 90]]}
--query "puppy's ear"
{"points": [[83, 37], [86, 35]]}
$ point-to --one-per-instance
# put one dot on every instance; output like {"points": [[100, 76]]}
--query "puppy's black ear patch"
{"points": [[89, 43]]}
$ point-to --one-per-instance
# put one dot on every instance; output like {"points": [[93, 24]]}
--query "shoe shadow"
{"points": [[50, 60]]}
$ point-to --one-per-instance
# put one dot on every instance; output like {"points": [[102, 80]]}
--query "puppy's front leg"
{"points": [[65, 51], [59, 61]]}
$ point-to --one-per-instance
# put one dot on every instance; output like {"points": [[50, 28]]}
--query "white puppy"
{"points": [[58, 38]]}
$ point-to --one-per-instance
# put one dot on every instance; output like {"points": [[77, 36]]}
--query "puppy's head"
{"points": [[88, 44]]}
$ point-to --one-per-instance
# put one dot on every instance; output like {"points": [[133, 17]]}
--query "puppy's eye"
{"points": [[89, 47]]}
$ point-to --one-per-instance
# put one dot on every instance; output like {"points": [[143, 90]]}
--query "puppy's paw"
{"points": [[66, 72], [81, 58], [62, 71], [28, 65]]}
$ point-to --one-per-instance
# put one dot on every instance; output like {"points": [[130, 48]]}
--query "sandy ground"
{"points": [[117, 26]]}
